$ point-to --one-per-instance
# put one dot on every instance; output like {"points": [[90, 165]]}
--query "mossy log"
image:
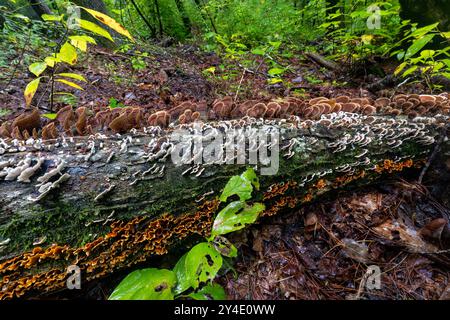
{"points": [[105, 203]]}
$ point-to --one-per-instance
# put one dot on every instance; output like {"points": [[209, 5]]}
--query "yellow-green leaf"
{"points": [[51, 61], [70, 83], [51, 116], [51, 17], [81, 42], [110, 22], [68, 53], [83, 38], [92, 27], [400, 68], [73, 76], [30, 90], [37, 68]]}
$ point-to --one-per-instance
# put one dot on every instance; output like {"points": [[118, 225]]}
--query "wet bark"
{"points": [[116, 202]]}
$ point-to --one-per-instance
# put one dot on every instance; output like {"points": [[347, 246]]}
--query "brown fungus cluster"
{"points": [[84, 121]]}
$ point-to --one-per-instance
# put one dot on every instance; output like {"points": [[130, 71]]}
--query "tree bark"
{"points": [[116, 202]]}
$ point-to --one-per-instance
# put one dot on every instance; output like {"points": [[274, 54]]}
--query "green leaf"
{"points": [[73, 76], [197, 266], [275, 71], [21, 16], [110, 22], [92, 27], [427, 54], [409, 71], [423, 31], [68, 54], [237, 186], [37, 68], [235, 217], [212, 291], [51, 116], [30, 90], [51, 17], [274, 80], [251, 176], [241, 186], [146, 284], [258, 51], [70, 83], [418, 45], [224, 246]]}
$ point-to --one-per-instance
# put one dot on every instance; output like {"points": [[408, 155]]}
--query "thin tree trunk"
{"points": [[184, 16], [158, 16], [149, 25]]}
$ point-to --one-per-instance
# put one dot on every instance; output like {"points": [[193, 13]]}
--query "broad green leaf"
{"points": [[237, 186], [235, 217], [51, 116], [92, 27], [212, 291], [110, 22], [447, 62], [70, 83], [146, 284], [197, 266], [51, 17], [224, 246], [37, 68], [183, 280], [251, 176], [30, 90], [409, 71], [258, 51], [424, 30], [73, 76], [418, 45], [275, 71], [427, 54], [68, 54], [241, 186]]}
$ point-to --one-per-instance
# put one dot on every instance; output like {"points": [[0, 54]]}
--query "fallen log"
{"points": [[105, 203]]}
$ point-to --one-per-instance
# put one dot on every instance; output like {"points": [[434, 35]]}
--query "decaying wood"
{"points": [[105, 203], [317, 58]]}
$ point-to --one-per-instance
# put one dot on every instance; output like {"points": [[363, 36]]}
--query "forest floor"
{"points": [[320, 251]]}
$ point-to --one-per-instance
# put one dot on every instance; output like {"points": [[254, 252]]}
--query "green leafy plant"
{"points": [[423, 62], [66, 51], [194, 272]]}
